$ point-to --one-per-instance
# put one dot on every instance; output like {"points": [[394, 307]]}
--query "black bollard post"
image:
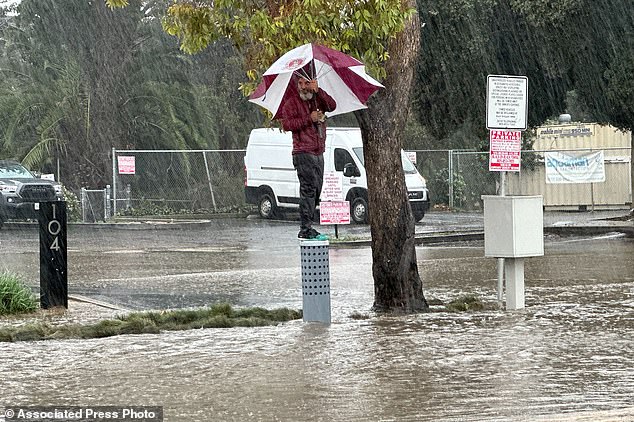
{"points": [[53, 254]]}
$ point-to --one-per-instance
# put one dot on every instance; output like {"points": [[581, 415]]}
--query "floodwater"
{"points": [[567, 356]]}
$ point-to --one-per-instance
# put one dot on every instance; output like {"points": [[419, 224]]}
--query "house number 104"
{"points": [[54, 227]]}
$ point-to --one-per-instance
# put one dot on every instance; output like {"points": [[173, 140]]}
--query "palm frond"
{"points": [[41, 152]]}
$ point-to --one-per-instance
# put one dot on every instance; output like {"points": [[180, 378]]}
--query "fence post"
{"points": [[84, 197], [106, 203], [114, 182], [128, 197], [451, 179], [211, 189]]}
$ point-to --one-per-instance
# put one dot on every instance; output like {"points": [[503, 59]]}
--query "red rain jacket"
{"points": [[295, 117]]}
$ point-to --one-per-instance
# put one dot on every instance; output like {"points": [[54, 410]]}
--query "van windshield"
{"points": [[359, 153], [408, 167]]}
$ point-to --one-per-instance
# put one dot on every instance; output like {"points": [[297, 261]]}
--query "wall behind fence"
{"points": [[614, 193]]}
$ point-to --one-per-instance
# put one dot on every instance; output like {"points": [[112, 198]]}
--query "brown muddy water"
{"points": [[568, 356]]}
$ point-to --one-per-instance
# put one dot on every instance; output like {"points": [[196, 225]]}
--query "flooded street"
{"points": [[567, 356]]}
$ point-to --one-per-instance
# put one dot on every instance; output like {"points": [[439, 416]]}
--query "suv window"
{"points": [[15, 171], [342, 157]]}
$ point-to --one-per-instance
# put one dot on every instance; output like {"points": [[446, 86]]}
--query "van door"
{"points": [[341, 157]]}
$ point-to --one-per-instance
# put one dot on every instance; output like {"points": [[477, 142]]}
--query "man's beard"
{"points": [[306, 95]]}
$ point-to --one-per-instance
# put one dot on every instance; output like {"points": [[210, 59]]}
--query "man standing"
{"points": [[303, 115]]}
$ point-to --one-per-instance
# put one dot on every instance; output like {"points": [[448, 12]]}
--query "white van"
{"points": [[271, 181]]}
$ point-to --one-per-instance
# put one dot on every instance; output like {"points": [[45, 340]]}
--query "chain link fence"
{"points": [[188, 181], [212, 181], [95, 204], [457, 179]]}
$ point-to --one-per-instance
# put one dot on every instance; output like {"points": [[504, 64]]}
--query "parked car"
{"points": [[271, 181], [21, 192]]}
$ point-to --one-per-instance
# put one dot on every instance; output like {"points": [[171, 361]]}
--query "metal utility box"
{"points": [[315, 280], [513, 226]]}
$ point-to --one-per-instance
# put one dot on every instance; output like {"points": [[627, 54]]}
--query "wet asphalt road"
{"points": [[241, 261], [566, 357]]}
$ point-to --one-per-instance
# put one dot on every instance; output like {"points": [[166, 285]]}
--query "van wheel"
{"points": [[359, 210], [266, 206]]}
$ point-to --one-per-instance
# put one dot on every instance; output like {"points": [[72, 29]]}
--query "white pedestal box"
{"points": [[513, 230], [513, 226]]}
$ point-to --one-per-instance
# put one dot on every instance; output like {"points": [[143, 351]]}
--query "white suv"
{"points": [[21, 192]]}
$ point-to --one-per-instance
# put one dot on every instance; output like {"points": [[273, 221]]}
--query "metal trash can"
{"points": [[315, 280]]}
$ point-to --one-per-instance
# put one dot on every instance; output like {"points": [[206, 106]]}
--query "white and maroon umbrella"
{"points": [[341, 76]]}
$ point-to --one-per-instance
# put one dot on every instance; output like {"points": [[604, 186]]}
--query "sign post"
{"points": [[53, 255], [507, 116]]}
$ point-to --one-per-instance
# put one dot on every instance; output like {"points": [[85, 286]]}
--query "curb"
{"points": [[84, 299], [425, 239], [590, 230], [471, 236], [127, 225]]}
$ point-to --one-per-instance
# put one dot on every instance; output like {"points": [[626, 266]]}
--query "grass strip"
{"points": [[153, 322], [467, 303], [15, 296]]}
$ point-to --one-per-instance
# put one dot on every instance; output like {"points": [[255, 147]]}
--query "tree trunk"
{"points": [[397, 283]]}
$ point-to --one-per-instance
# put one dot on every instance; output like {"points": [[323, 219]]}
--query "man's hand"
{"points": [[317, 116], [313, 86]]}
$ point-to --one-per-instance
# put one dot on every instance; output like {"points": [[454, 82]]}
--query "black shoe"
{"points": [[312, 233], [308, 233]]}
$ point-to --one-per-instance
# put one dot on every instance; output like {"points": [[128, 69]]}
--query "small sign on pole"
{"points": [[332, 189], [505, 150], [507, 102], [332, 208], [126, 164], [334, 212]]}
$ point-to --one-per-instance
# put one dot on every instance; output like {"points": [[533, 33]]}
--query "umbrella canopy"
{"points": [[341, 76]]}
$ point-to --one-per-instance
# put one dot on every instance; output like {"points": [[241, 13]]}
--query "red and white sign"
{"points": [[335, 212], [332, 189], [505, 150], [126, 164]]}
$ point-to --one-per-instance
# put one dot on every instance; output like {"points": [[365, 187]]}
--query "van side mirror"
{"points": [[350, 170]]}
